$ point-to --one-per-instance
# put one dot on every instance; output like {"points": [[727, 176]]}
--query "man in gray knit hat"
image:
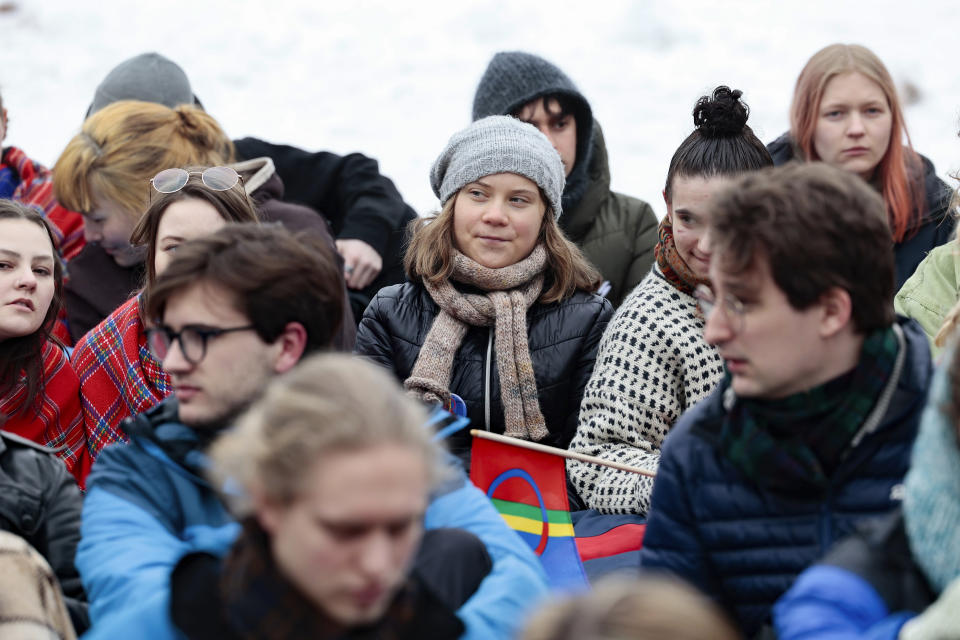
{"points": [[617, 233]]}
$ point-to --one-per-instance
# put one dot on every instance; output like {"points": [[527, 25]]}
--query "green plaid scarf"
{"points": [[793, 444]]}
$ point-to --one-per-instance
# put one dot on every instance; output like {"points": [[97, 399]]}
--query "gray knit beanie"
{"points": [[498, 144], [149, 77]]}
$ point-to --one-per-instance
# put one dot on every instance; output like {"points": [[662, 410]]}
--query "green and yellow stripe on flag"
{"points": [[529, 489]]}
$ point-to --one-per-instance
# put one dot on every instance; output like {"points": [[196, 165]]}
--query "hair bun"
{"points": [[722, 114]]}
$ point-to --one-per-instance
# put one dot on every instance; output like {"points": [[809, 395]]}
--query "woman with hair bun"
{"points": [[846, 112], [653, 361]]}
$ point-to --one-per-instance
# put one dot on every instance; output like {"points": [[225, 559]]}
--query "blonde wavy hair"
{"points": [[122, 146], [430, 255], [329, 403]]}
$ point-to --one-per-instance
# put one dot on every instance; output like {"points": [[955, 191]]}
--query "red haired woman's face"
{"points": [[853, 124]]}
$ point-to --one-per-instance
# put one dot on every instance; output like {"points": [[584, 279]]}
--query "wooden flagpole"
{"points": [[563, 453]]}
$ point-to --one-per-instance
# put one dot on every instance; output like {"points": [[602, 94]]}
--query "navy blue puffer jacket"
{"points": [[562, 336], [744, 545]]}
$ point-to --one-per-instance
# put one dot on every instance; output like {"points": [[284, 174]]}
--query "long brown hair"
{"points": [[902, 192], [24, 354], [430, 255]]}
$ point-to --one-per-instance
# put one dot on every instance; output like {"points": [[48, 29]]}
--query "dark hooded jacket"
{"points": [[617, 233], [934, 228]]}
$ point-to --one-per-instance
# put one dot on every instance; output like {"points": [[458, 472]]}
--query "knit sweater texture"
{"points": [[652, 365]]}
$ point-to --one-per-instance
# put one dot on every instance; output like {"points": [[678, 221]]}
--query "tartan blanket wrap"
{"points": [[56, 421], [119, 377], [36, 189]]}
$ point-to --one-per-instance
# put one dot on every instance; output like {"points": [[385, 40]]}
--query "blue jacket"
{"points": [[144, 511], [743, 545]]}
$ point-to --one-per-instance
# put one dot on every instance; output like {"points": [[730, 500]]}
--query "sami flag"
{"points": [[529, 489]]}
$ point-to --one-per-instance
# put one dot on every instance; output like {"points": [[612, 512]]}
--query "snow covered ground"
{"points": [[394, 80]]}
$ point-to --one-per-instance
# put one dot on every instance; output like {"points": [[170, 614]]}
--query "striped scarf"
{"points": [[509, 293], [118, 375], [793, 444]]}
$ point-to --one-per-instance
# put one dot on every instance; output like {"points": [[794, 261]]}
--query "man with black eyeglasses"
{"points": [[810, 431], [229, 313]]}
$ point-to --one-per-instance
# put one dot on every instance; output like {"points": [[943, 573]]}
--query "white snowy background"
{"points": [[393, 80]]}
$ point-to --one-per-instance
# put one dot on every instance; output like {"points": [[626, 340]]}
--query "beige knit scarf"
{"points": [[510, 292]]}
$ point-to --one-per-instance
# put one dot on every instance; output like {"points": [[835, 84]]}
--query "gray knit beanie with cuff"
{"points": [[148, 77], [499, 144]]}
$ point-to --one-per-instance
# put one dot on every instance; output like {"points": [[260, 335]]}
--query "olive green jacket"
{"points": [[617, 233], [934, 288]]}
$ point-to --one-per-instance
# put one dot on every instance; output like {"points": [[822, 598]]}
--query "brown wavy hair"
{"points": [[24, 355], [900, 171], [275, 277], [233, 205], [122, 146], [429, 255]]}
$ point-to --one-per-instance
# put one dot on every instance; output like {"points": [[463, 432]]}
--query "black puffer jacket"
{"points": [[563, 338], [934, 228], [40, 502]]}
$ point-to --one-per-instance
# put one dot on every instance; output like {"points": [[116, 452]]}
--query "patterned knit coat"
{"points": [[652, 365]]}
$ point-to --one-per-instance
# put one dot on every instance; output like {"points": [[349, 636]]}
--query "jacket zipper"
{"points": [[825, 527], [486, 385]]}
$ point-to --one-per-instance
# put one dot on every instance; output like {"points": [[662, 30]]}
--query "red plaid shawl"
{"points": [[56, 421], [118, 376], [36, 189]]}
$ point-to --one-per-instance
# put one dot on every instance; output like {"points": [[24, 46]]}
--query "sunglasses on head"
{"points": [[215, 178]]}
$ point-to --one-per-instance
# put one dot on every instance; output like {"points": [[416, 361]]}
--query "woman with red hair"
{"points": [[846, 112]]}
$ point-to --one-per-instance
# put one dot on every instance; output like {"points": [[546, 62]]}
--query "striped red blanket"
{"points": [[36, 189], [56, 420], [118, 376]]}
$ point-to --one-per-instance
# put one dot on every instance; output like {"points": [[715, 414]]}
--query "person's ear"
{"points": [[291, 344], [268, 513], [666, 201], [836, 311]]}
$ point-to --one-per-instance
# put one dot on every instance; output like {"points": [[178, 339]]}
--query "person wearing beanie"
{"points": [[617, 233], [872, 584], [498, 313], [364, 209], [654, 345]]}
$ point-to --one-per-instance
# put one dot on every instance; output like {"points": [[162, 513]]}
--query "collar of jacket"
{"points": [[581, 214], [161, 426]]}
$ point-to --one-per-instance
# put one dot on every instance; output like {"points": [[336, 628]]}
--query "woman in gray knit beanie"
{"points": [[497, 320]]}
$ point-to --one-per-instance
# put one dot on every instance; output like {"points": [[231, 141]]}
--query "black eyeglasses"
{"points": [[193, 340], [732, 309], [216, 178]]}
